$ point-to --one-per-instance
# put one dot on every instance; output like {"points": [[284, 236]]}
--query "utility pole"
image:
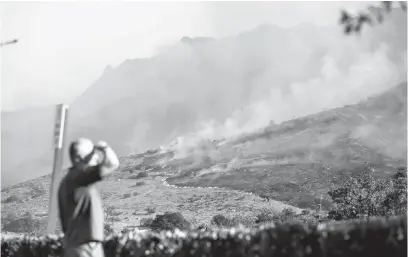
{"points": [[10, 42], [59, 136]]}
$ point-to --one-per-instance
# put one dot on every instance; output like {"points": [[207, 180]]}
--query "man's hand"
{"points": [[101, 144], [111, 161]]}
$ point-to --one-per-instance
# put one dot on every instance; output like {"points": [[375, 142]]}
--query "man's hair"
{"points": [[75, 154]]}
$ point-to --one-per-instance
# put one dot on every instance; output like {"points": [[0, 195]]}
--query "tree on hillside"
{"points": [[395, 202], [373, 15], [364, 196]]}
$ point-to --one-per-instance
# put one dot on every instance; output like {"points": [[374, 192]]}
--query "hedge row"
{"points": [[380, 237]]}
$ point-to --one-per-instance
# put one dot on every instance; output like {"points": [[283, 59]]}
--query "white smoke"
{"points": [[193, 93], [371, 73]]}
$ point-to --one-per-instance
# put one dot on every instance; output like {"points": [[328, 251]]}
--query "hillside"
{"points": [[133, 199], [145, 103], [298, 161], [292, 164]]}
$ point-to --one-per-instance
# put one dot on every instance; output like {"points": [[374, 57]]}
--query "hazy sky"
{"points": [[65, 46]]}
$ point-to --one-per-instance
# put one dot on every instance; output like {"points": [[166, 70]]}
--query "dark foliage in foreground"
{"points": [[373, 15], [370, 238]]}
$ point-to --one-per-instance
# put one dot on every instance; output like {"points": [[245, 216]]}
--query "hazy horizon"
{"points": [[61, 45]]}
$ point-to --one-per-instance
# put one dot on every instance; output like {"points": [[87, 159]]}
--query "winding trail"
{"points": [[197, 204], [165, 183]]}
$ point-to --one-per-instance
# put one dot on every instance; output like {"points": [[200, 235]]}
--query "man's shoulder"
{"points": [[66, 173], [82, 176], [65, 179]]}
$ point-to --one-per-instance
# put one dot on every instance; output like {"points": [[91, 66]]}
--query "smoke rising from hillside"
{"points": [[222, 88], [207, 89]]}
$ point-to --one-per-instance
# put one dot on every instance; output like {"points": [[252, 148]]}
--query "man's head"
{"points": [[82, 151]]}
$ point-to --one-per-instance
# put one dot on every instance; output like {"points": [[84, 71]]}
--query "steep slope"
{"points": [[298, 161]]}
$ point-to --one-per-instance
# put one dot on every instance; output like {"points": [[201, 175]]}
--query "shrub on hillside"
{"points": [[287, 215], [305, 212], [170, 221], [142, 174], [146, 222], [11, 199], [140, 183], [222, 221], [264, 216], [25, 224], [111, 215], [203, 227], [37, 190], [246, 221], [127, 195], [6, 218], [365, 196], [309, 217], [151, 210], [126, 230], [108, 228]]}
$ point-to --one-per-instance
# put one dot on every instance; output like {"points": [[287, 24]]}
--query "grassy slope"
{"points": [[296, 162], [130, 201]]}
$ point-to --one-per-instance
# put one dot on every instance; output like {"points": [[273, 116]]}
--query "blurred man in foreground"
{"points": [[80, 206]]}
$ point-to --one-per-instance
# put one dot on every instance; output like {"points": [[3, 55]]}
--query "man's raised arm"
{"points": [[95, 173], [110, 161]]}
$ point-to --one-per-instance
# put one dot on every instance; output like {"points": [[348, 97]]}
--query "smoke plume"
{"points": [[211, 89]]}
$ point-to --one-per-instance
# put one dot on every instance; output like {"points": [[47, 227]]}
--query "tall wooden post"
{"points": [[59, 134]]}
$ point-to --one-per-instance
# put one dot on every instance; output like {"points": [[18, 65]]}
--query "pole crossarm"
{"points": [[10, 42]]}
